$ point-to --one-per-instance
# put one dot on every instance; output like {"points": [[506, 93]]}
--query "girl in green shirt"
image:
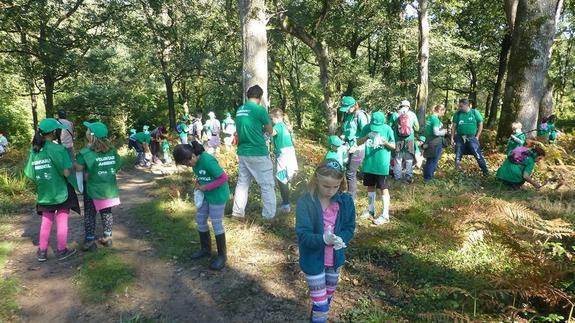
{"points": [[213, 182], [286, 161], [49, 167], [517, 139], [100, 163]]}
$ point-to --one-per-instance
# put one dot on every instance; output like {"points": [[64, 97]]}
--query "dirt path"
{"points": [[164, 290]]}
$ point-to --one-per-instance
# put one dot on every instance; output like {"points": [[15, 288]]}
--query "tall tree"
{"points": [[533, 35], [503, 56], [254, 42], [422, 88]]}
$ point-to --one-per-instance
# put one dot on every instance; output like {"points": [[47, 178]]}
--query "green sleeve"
{"points": [[28, 169], [364, 131], [478, 116], [278, 129], [80, 159], [530, 166], [61, 160], [263, 116], [390, 136], [435, 123]]}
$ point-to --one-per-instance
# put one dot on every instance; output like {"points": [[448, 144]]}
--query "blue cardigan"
{"points": [[309, 230]]}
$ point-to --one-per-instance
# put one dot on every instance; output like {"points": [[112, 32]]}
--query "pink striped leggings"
{"points": [[321, 289], [61, 228]]}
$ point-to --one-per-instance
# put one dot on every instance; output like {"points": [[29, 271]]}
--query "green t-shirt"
{"points": [[467, 122], [101, 169], [282, 138], [46, 170], [185, 129], [208, 170], [250, 121], [352, 125], [377, 158], [513, 173], [431, 122], [143, 137], [511, 144]]}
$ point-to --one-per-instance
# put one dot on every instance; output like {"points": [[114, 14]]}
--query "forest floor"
{"points": [[459, 248]]}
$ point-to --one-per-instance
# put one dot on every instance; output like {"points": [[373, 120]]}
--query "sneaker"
{"points": [[409, 179], [366, 214], [42, 255], [381, 220], [106, 241], [65, 254], [89, 245], [285, 208]]}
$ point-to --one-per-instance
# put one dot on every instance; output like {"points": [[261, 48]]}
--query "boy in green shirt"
{"points": [[514, 174], [252, 122], [379, 143], [465, 132]]}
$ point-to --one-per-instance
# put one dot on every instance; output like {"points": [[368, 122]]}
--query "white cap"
{"points": [[405, 103], [211, 114]]}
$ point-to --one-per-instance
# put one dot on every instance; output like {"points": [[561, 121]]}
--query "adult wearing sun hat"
{"points": [[354, 121], [379, 143], [100, 162]]}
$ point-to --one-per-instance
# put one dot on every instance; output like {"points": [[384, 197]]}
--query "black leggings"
{"points": [[284, 192], [90, 219]]}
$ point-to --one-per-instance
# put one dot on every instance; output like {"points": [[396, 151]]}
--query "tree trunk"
{"points": [[503, 55], [49, 94], [254, 42], [472, 83], [33, 104], [169, 92], [546, 106], [533, 35], [487, 104], [422, 90]]}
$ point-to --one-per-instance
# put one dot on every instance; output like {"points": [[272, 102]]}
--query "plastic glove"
{"points": [[372, 134], [198, 198], [328, 237], [339, 244]]}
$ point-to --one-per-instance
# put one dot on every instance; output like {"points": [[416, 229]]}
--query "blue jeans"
{"points": [[470, 147], [431, 163]]}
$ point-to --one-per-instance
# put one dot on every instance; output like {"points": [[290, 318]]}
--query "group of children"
{"points": [[325, 215], [50, 167]]}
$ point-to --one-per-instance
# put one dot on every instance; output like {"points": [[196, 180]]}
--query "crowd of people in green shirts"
{"points": [[377, 145]]}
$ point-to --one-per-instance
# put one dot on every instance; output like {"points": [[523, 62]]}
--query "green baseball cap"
{"points": [[50, 124], [133, 131], [145, 127], [334, 141], [98, 129], [346, 103], [228, 114], [377, 121], [422, 138]]}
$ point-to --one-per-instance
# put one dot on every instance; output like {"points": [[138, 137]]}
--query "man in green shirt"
{"points": [[142, 147], [253, 126], [514, 174], [354, 121], [379, 142], [466, 129]]}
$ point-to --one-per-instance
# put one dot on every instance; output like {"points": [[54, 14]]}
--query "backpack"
{"points": [[404, 128], [519, 154], [544, 126], [356, 119]]}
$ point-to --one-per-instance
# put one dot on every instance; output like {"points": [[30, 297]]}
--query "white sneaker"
{"points": [[381, 220], [366, 215]]}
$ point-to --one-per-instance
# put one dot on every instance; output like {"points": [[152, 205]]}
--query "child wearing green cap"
{"points": [[166, 150], [379, 142], [100, 161], [50, 168], [336, 150]]}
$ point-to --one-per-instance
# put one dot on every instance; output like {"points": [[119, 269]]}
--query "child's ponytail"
{"points": [[38, 141]]}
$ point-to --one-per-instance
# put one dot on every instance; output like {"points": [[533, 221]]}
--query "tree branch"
{"points": [[68, 14]]}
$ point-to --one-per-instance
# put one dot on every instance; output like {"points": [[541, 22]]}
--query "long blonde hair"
{"points": [[99, 145], [279, 114], [327, 168]]}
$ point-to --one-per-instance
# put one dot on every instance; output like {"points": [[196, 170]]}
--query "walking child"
{"points": [[213, 182], [379, 143], [325, 224], [286, 161], [100, 163], [50, 168], [517, 138], [336, 150]]}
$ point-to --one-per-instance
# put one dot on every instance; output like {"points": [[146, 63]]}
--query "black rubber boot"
{"points": [[205, 246], [220, 260]]}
